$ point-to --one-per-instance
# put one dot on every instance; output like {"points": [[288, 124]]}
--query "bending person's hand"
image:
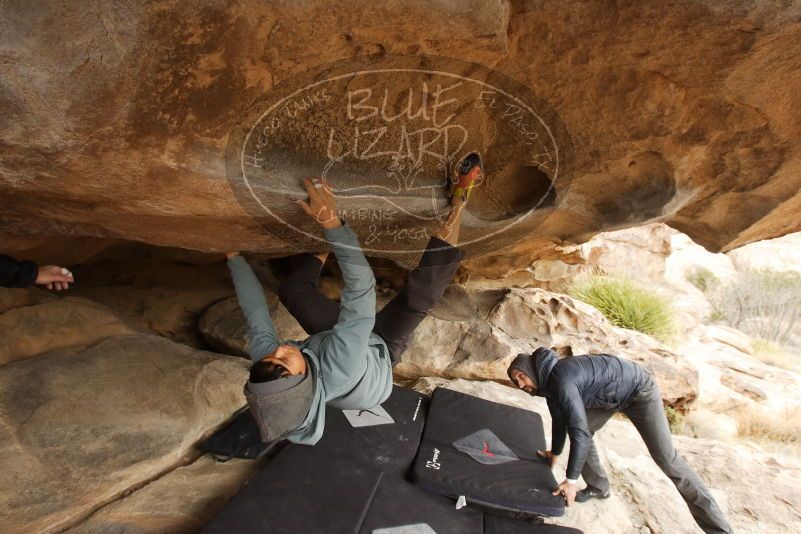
{"points": [[321, 206], [54, 277], [548, 455], [568, 490]]}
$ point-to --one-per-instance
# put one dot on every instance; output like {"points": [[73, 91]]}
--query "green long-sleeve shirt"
{"points": [[349, 364]]}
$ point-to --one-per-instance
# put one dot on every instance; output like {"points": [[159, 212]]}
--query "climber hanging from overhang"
{"points": [[347, 360]]}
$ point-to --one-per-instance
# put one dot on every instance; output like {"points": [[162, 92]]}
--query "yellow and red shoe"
{"points": [[468, 175]]}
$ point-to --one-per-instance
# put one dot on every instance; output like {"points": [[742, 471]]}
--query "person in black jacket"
{"points": [[583, 392], [15, 273]]}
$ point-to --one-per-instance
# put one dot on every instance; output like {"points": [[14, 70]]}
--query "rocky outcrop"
{"points": [[781, 254], [640, 253], [15, 298], [181, 502], [732, 378], [162, 296], [643, 498], [223, 325], [94, 408], [114, 126], [28, 331], [476, 333]]}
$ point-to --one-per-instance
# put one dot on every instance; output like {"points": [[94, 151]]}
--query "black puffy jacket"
{"points": [[577, 383], [15, 273]]}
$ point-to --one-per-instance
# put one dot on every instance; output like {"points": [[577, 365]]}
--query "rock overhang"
{"points": [[124, 138]]}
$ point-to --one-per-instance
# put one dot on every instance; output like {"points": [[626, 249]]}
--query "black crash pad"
{"points": [[351, 481], [239, 438], [390, 448], [387, 447], [497, 468], [494, 524], [306, 490]]}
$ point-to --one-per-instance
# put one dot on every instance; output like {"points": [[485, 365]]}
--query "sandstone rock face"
{"points": [[223, 325], [70, 322], [723, 466], [732, 378], [638, 253], [181, 502], [86, 415], [519, 321], [643, 498], [118, 131], [165, 297], [14, 298], [781, 254]]}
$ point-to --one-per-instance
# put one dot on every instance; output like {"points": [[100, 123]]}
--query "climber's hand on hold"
{"points": [[54, 277], [321, 206], [230, 255]]}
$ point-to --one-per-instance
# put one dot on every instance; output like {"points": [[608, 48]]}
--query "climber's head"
{"points": [[285, 360], [523, 381], [530, 372], [279, 392]]}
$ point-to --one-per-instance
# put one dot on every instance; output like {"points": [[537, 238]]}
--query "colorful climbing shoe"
{"points": [[467, 175]]}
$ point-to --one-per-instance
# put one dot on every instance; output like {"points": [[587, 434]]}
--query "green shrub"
{"points": [[763, 304], [702, 278], [626, 304]]}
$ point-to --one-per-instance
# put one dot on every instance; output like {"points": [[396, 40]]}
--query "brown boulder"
{"points": [[80, 426], [163, 296], [181, 502], [28, 331], [224, 328], [521, 320], [114, 126], [16, 298]]}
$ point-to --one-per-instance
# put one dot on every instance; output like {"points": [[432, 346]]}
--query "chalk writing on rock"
{"points": [[387, 134]]}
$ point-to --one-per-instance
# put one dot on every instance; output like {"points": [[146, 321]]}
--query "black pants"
{"points": [[648, 415], [395, 324]]}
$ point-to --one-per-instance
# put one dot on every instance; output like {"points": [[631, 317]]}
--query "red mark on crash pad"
{"points": [[486, 450]]}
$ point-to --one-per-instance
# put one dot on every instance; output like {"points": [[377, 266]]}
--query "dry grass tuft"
{"points": [[773, 354], [782, 426]]}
